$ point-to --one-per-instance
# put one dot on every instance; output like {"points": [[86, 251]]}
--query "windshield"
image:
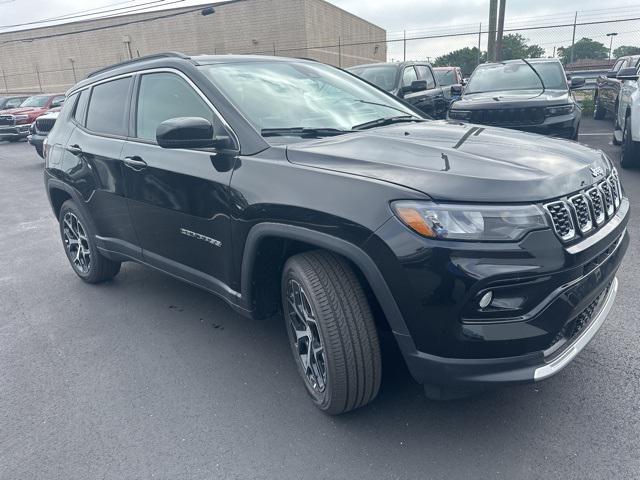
{"points": [[280, 95], [445, 77], [516, 76], [37, 101], [383, 76]]}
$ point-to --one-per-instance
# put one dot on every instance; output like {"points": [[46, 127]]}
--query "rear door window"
{"points": [[107, 113]]}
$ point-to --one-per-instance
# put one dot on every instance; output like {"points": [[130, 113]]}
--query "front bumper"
{"points": [[37, 140], [14, 131], [571, 289]]}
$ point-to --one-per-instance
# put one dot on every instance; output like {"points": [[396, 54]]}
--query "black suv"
{"points": [[414, 82], [286, 185], [530, 95]]}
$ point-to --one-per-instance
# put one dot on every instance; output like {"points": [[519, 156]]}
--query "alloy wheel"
{"points": [[306, 337], [76, 243]]}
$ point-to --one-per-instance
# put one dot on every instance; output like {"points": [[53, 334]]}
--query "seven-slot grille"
{"points": [[587, 210], [7, 120], [508, 116], [44, 125]]}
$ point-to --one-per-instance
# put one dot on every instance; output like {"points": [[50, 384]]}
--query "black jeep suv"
{"points": [[285, 185]]}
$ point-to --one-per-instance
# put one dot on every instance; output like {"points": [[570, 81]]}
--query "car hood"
{"points": [[512, 98], [458, 162], [22, 111]]}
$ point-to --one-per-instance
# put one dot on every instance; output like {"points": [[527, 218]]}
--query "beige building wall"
{"points": [[43, 60]]}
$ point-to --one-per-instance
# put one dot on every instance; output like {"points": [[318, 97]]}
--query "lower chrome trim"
{"points": [[581, 341]]}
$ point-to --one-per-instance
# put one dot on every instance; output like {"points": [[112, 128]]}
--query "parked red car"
{"points": [[15, 122]]}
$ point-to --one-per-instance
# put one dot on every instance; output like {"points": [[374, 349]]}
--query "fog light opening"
{"points": [[486, 299]]}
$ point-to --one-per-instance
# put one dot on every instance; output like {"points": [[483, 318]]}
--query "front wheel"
{"points": [[331, 330], [79, 245], [630, 151]]}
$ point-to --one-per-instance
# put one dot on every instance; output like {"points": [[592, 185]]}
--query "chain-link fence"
{"points": [[586, 42]]}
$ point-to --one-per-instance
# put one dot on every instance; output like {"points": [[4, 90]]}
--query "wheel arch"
{"points": [[267, 239]]}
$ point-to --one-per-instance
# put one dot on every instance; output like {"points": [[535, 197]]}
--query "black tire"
{"points": [[91, 266], [576, 132], [345, 328], [630, 151], [599, 111]]}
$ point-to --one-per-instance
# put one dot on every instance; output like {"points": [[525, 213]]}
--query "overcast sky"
{"points": [[417, 17]]}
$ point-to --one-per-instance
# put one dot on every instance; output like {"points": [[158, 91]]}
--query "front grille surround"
{"points": [[44, 125], [7, 120], [582, 213]]}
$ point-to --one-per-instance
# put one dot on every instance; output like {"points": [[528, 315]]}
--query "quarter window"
{"points": [[163, 96], [81, 107], [108, 107]]}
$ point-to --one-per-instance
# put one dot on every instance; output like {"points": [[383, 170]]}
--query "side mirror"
{"points": [[576, 82], [628, 74], [56, 104], [416, 86], [185, 132], [456, 89], [611, 74]]}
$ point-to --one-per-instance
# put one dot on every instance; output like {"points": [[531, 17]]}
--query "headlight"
{"points": [[21, 118], [460, 114], [560, 110], [470, 222]]}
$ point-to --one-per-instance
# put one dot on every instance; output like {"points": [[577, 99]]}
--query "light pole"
{"points": [[611, 35]]}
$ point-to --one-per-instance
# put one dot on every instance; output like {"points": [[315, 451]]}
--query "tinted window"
{"points": [[408, 76], [383, 76], [446, 77], [108, 107], [618, 65], [425, 74], [163, 96], [81, 107]]}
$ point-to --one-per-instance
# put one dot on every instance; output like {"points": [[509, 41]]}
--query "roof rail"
{"points": [[139, 59]]}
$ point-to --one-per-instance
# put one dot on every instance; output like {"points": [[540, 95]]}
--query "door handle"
{"points": [[136, 163], [74, 150]]}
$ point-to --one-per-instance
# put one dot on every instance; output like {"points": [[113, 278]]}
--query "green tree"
{"points": [[466, 58], [514, 45], [624, 50], [583, 48]]}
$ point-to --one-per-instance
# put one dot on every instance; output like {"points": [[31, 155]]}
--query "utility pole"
{"points": [[500, 30], [573, 37], [611, 35], [491, 43], [404, 43], [479, 42]]}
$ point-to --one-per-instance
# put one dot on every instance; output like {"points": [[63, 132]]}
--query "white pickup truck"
{"points": [[627, 131]]}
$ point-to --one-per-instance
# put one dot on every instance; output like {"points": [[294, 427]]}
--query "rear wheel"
{"points": [[79, 245], [630, 151], [598, 110], [331, 331]]}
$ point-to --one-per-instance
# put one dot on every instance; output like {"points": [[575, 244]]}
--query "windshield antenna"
{"points": [[537, 75]]}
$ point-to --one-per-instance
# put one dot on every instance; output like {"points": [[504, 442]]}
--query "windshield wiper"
{"points": [[304, 132], [379, 122], [537, 74]]}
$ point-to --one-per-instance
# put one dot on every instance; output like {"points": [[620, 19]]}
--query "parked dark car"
{"points": [[41, 128], [414, 82], [12, 101], [448, 77], [286, 185], [15, 123], [607, 94], [530, 95]]}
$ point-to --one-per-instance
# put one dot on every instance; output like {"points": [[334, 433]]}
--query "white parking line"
{"points": [[596, 134]]}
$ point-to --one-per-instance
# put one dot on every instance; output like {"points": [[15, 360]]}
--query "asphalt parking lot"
{"points": [[146, 377]]}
